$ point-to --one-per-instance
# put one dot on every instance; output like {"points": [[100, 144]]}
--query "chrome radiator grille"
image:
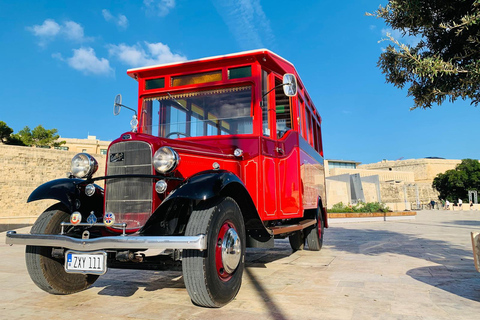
{"points": [[130, 199]]}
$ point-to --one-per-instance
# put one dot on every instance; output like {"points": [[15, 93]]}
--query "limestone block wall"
{"points": [[22, 169], [425, 170], [370, 191], [337, 191], [399, 196], [383, 175]]}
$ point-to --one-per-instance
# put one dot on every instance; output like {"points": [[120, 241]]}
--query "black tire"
{"points": [[314, 234], [297, 240], [206, 284], [48, 273]]}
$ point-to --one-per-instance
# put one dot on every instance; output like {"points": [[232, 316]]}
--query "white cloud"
{"points": [[107, 15], [85, 60], [247, 21], [50, 30], [147, 54], [121, 21], [159, 7], [73, 31], [58, 56]]}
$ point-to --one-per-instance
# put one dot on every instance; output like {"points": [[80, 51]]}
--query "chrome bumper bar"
{"points": [[119, 242]]}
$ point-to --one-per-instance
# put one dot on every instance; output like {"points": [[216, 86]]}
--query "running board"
{"points": [[293, 227]]}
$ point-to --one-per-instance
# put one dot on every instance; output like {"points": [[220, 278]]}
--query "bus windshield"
{"points": [[223, 111]]}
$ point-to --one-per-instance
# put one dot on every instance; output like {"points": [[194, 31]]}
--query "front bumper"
{"points": [[104, 243]]}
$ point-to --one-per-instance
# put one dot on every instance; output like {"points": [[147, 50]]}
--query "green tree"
{"points": [[446, 61], [39, 136], [454, 184], [5, 132]]}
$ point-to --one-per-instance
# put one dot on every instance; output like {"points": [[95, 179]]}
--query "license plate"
{"points": [[86, 262]]}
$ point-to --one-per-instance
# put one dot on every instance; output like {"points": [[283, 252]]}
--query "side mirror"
{"points": [[117, 105], [289, 85]]}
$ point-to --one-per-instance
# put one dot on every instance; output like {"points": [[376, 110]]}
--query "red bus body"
{"points": [[284, 176]]}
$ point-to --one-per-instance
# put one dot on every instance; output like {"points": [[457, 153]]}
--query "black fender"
{"points": [[202, 187], [68, 191], [205, 185]]}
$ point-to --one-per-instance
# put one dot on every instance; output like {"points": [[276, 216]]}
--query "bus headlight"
{"points": [[83, 165], [165, 160]]}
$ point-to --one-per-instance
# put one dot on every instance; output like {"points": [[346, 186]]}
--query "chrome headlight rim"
{"points": [[83, 165], [165, 160]]}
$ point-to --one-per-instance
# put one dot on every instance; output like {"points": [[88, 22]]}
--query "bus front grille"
{"points": [[130, 199]]}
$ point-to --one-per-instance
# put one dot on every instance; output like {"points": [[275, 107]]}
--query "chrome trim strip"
{"points": [[119, 242]]}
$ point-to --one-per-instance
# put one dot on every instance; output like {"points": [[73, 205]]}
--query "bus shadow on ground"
{"points": [[125, 282], [455, 272]]}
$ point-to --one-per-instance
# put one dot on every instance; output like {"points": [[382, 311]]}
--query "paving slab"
{"points": [[410, 269]]}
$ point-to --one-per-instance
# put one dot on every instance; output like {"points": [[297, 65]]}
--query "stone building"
{"points": [[400, 184], [89, 145]]}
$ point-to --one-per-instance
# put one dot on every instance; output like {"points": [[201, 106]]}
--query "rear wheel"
{"points": [[214, 276], [48, 273], [297, 240], [314, 234]]}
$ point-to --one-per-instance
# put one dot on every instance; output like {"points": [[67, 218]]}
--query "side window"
{"points": [[308, 121], [301, 106], [282, 108], [319, 139], [315, 135], [265, 113]]}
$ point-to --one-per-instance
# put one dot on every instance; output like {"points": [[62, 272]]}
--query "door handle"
{"points": [[279, 150]]}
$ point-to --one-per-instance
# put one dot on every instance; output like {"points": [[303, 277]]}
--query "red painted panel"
{"points": [[289, 178], [269, 187]]}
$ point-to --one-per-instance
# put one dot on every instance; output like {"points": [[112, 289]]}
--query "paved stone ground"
{"points": [[413, 269]]}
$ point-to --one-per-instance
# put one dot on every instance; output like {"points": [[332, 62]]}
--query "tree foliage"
{"points": [[454, 184], [39, 136], [5, 132], [446, 61]]}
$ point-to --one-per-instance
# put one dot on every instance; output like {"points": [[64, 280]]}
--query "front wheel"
{"points": [[47, 272], [213, 277]]}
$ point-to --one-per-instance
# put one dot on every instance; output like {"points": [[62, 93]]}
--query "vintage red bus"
{"points": [[224, 153]]}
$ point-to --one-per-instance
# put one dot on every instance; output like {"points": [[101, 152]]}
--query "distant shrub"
{"points": [[360, 207]]}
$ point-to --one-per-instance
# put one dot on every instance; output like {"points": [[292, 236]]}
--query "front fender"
{"points": [[172, 215], [68, 191], [204, 185]]}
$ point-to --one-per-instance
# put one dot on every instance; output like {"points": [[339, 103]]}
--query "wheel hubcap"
{"points": [[230, 250]]}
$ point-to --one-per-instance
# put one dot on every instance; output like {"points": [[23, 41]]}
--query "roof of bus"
{"points": [[132, 72]]}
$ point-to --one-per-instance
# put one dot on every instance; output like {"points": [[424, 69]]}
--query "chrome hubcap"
{"points": [[231, 250]]}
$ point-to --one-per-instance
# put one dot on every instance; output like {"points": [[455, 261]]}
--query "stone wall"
{"points": [[425, 170], [22, 169], [399, 196], [383, 175]]}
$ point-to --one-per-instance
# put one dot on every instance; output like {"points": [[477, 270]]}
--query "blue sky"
{"points": [[63, 62]]}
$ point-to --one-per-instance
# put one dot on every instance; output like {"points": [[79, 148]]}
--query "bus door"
{"points": [[281, 173]]}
